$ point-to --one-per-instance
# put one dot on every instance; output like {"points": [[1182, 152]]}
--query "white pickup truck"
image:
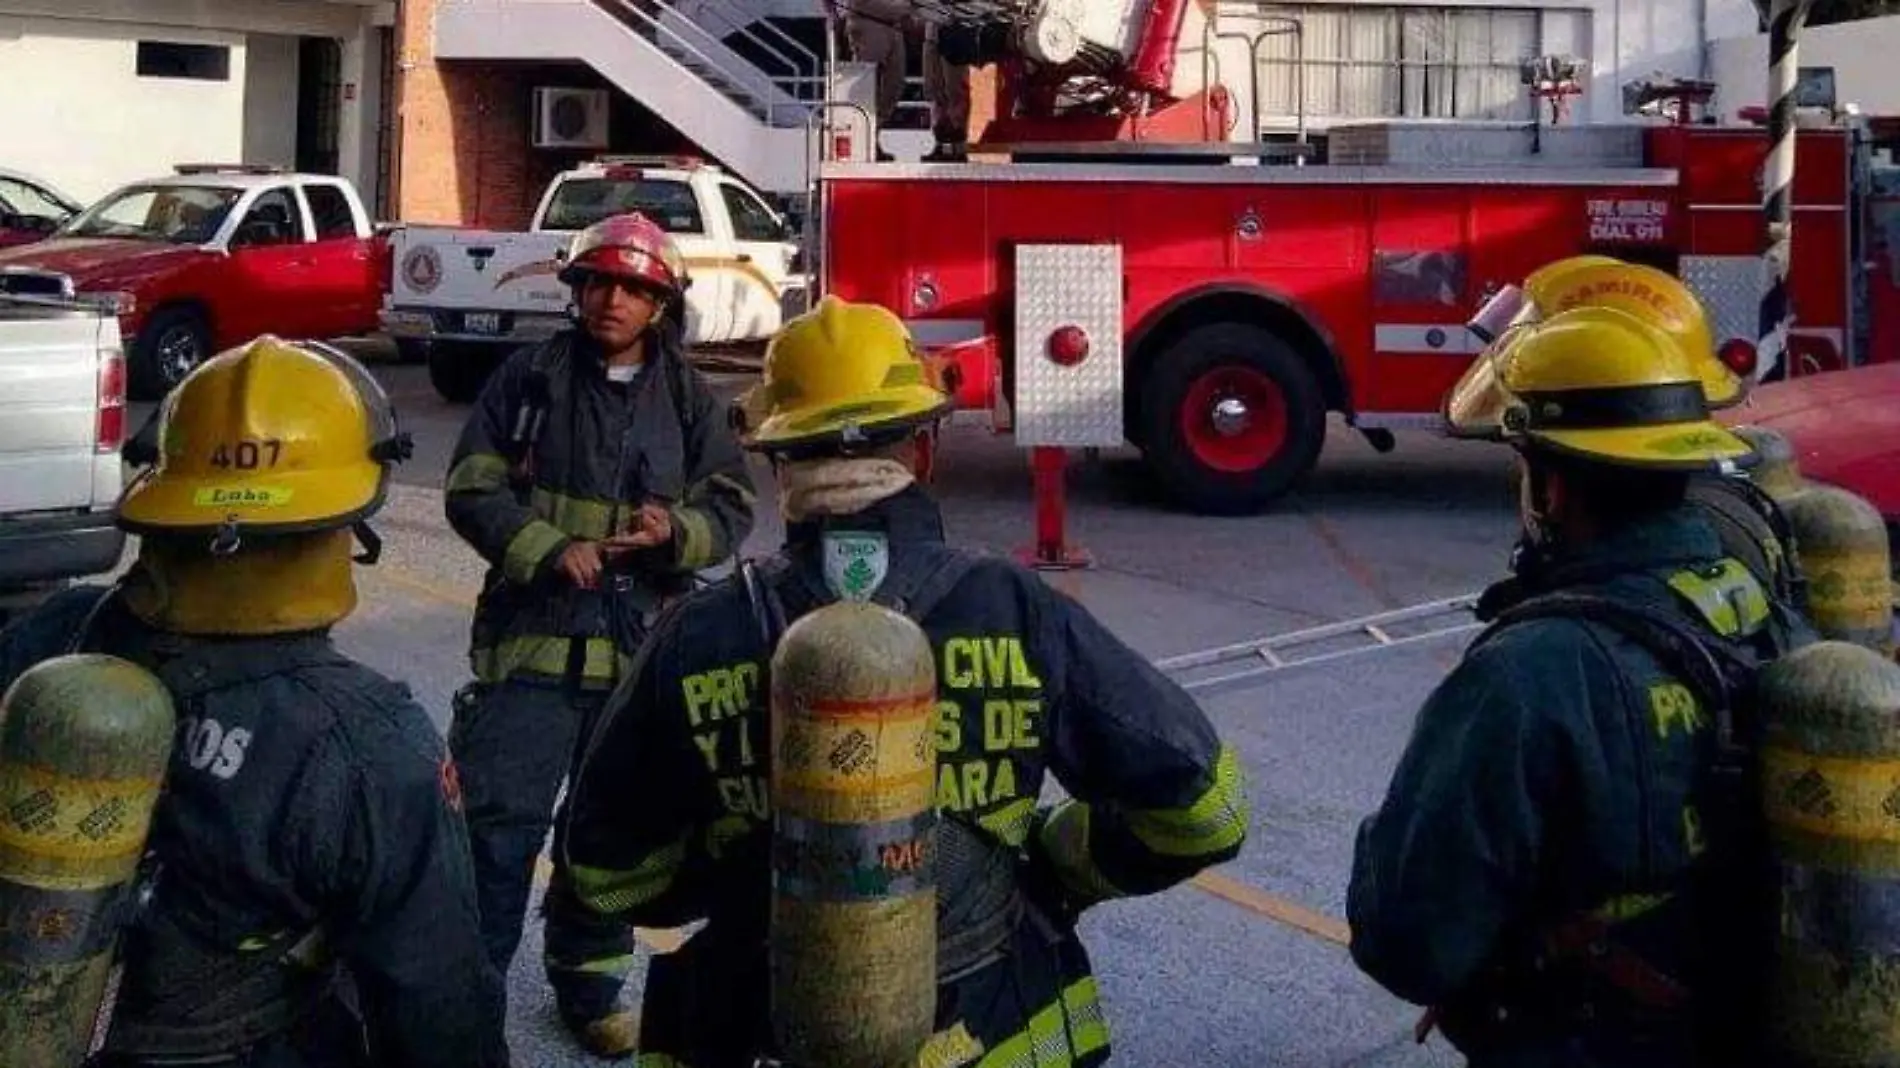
{"points": [[62, 422], [462, 299]]}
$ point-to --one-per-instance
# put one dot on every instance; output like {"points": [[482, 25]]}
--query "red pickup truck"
{"points": [[212, 257], [30, 208]]}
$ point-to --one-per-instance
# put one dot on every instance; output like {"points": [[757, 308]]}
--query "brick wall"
{"points": [[462, 145], [463, 152]]}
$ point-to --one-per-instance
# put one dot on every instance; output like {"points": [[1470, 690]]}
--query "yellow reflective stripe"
{"points": [[694, 533], [950, 1049], [1216, 821], [581, 517], [1058, 1035], [737, 486], [528, 549], [546, 655], [617, 965], [1731, 600], [658, 1060], [1629, 906], [479, 471], [1010, 824], [613, 890], [1065, 840]]}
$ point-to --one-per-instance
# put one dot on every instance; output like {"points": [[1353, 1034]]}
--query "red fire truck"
{"points": [[1212, 314]]}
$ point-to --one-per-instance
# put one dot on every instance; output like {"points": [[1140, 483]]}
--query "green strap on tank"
{"points": [[1726, 595]]}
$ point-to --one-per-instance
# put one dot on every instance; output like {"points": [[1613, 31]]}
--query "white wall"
{"points": [[78, 114], [270, 100], [1861, 54]]}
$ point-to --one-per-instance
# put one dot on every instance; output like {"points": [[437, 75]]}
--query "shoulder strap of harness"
{"points": [[1710, 668]]}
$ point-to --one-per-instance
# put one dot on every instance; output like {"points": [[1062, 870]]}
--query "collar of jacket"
{"points": [[1677, 538], [906, 516], [661, 345]]}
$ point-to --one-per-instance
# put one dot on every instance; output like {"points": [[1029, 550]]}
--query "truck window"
{"points": [[180, 214], [331, 211], [581, 202], [751, 221], [272, 220]]}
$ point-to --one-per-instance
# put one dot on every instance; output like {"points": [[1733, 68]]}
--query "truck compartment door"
{"points": [[1422, 293]]}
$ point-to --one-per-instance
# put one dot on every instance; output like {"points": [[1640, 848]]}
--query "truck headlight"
{"points": [[114, 302]]}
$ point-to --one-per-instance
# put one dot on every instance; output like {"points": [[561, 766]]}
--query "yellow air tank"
{"points": [[854, 900], [1831, 794], [1841, 547], [84, 741]]}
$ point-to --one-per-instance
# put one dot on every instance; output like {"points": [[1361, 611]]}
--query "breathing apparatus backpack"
{"points": [[1722, 996]]}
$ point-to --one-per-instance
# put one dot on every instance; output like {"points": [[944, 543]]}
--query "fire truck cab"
{"points": [[1212, 314]]}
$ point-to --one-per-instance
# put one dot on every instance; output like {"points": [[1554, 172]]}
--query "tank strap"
{"points": [[223, 1003], [1725, 594]]}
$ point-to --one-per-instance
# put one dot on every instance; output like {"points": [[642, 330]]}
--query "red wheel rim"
{"points": [[1234, 419]]}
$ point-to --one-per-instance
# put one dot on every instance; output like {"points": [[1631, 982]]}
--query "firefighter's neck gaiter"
{"points": [[276, 585], [838, 486]]}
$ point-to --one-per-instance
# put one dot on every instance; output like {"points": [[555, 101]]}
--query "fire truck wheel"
{"points": [[458, 372], [172, 342], [1231, 417]]}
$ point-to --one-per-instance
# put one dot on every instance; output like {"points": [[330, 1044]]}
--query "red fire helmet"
{"points": [[627, 246]]}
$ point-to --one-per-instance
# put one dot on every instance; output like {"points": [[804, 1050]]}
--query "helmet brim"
{"points": [[1695, 446], [882, 415], [290, 502]]}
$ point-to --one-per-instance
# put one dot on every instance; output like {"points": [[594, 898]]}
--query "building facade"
{"points": [[104, 92]]}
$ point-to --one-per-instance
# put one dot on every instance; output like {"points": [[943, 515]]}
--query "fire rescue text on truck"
{"points": [[1131, 275]]}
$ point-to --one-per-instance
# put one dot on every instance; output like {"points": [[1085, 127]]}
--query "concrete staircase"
{"points": [[752, 114]]}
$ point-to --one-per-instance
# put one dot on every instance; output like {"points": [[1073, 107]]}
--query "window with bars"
{"points": [[1378, 61]]}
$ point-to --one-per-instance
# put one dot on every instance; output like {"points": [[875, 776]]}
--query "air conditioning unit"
{"points": [[570, 118]]}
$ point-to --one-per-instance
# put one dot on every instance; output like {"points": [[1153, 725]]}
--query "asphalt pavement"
{"points": [[1244, 968]]}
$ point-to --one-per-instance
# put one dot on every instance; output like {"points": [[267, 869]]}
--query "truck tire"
{"points": [[458, 372], [173, 342], [1230, 417]]}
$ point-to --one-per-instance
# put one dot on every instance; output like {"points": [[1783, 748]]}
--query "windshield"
{"points": [[179, 214], [582, 202]]}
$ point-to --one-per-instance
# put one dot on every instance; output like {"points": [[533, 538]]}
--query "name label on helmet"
{"points": [[855, 564], [241, 497]]}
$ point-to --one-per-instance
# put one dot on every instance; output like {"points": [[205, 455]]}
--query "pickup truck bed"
{"points": [[62, 420]]}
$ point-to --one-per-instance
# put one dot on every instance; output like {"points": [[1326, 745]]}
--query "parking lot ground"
{"points": [[1246, 967]]}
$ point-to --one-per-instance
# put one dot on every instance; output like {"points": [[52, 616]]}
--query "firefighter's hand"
{"points": [[581, 563], [652, 525]]}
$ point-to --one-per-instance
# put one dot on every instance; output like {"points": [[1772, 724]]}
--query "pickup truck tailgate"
{"points": [[49, 402], [483, 270]]}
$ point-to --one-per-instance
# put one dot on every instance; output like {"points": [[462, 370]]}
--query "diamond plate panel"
{"points": [[1058, 286], [1729, 288]]}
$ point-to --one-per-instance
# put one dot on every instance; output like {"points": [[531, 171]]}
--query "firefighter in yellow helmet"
{"points": [[1752, 527], [1557, 869], [310, 821], [668, 821]]}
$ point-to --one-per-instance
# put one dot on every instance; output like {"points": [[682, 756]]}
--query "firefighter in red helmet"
{"points": [[596, 474]]}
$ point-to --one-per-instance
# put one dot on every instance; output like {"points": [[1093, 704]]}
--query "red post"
{"points": [[1052, 550]]}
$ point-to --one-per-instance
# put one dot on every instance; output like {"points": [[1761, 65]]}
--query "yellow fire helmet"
{"points": [[842, 375], [273, 437], [1598, 383], [1657, 297]]}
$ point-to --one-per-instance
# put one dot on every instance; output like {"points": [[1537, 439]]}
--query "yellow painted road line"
{"points": [[435, 591], [1278, 909], [1251, 899]]}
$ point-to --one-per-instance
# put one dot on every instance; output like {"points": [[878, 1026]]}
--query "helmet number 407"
{"points": [[247, 454]]}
